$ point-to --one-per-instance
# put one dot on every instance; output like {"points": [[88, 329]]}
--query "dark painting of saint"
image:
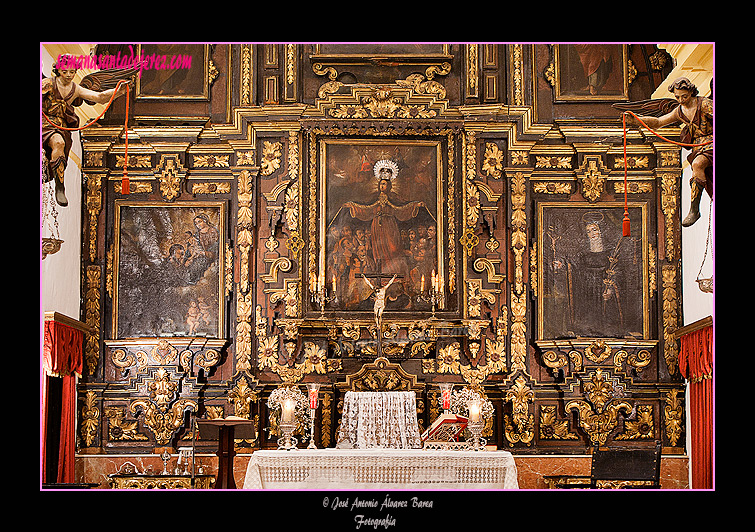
{"points": [[592, 282]]}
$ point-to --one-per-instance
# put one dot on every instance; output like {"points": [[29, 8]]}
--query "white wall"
{"points": [[60, 273], [696, 304]]}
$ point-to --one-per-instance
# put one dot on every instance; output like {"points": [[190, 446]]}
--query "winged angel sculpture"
{"points": [[60, 95], [696, 114]]}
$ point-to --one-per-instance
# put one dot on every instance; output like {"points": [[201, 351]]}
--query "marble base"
{"points": [[530, 468]]}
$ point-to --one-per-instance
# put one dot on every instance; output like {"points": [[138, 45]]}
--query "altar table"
{"points": [[350, 469]]}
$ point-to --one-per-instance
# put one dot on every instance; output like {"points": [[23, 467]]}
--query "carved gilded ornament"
{"points": [[169, 172], [673, 415], [598, 416], [93, 207], [640, 428], [592, 175], [520, 425], [449, 359], [670, 317], [212, 161], [271, 157], [553, 161], [241, 397], [92, 312], [633, 187], [669, 198], [552, 187], [492, 165], [121, 430], [552, 428], [162, 423], [90, 419]]}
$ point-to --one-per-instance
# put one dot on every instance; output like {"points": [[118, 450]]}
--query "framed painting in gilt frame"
{"points": [[592, 281], [381, 214], [168, 269], [175, 71], [591, 72]]}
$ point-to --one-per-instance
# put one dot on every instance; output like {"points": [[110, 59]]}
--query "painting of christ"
{"points": [[381, 219]]}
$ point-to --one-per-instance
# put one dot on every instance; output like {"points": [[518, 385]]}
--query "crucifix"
{"points": [[379, 292]]}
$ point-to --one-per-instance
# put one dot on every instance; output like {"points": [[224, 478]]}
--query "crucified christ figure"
{"points": [[379, 299]]}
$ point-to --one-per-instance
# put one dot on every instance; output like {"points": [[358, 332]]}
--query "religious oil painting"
{"points": [[168, 270], [591, 72], [174, 71], [382, 217], [592, 280]]}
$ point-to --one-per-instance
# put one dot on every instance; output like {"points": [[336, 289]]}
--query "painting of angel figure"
{"points": [[591, 71], [169, 266], [592, 280], [382, 218]]}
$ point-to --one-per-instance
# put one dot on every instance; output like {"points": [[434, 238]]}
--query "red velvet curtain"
{"points": [[696, 365], [62, 359]]}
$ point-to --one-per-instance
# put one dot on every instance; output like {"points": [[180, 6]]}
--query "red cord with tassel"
{"points": [[625, 223]]}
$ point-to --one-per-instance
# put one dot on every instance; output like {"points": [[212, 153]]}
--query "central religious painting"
{"points": [[382, 220]]}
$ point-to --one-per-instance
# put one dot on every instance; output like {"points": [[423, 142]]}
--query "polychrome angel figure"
{"points": [[696, 114], [59, 97]]}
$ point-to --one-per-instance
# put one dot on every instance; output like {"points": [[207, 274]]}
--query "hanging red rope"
{"points": [[625, 223], [124, 182]]}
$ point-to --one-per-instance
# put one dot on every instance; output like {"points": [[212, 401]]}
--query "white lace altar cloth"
{"points": [[379, 419], [375, 469]]}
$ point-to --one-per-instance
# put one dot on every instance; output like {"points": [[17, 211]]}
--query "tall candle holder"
{"points": [[475, 425], [165, 457], [313, 389], [287, 426], [320, 294], [432, 295]]}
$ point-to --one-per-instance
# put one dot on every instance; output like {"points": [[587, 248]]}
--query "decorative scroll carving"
{"points": [[520, 425], [380, 376], [90, 422], [598, 416], [670, 317], [592, 174]]}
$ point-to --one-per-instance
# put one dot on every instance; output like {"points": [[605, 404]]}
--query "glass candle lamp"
{"points": [[313, 389]]}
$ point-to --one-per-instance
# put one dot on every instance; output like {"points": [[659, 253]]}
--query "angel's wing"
{"points": [[654, 107], [102, 80]]}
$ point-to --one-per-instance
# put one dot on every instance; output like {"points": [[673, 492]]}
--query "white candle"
{"points": [[287, 411], [474, 412]]}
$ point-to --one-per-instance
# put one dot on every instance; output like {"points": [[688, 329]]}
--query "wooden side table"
{"points": [[225, 430]]}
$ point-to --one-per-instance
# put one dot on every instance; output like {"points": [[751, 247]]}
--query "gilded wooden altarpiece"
{"points": [[489, 162]]}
